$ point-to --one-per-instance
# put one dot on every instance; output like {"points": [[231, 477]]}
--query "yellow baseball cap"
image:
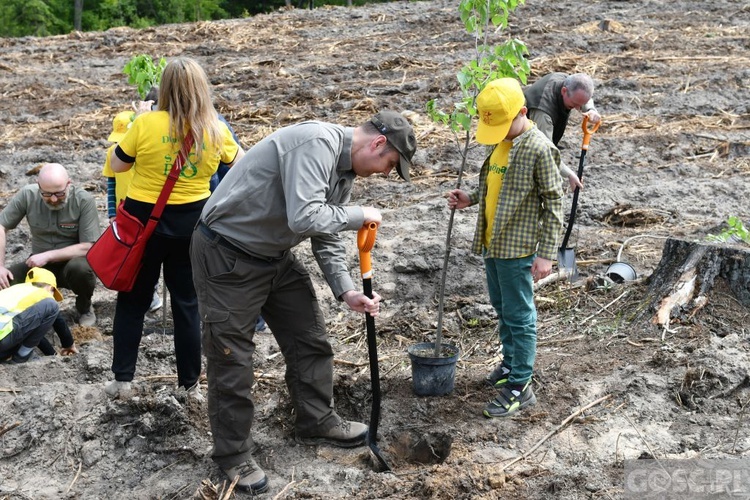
{"points": [[120, 125], [41, 275], [498, 105]]}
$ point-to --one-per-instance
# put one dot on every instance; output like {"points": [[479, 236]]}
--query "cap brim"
{"points": [[56, 293], [115, 136], [403, 167], [492, 134]]}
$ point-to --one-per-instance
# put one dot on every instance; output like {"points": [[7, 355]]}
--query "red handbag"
{"points": [[117, 256]]}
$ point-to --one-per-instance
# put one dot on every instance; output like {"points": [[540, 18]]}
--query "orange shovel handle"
{"points": [[365, 242], [588, 132]]}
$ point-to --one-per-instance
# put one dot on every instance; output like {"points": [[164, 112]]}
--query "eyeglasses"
{"points": [[58, 194]]}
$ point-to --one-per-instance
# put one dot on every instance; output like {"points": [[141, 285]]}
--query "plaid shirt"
{"points": [[529, 213]]}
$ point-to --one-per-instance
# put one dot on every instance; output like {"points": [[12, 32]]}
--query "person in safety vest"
{"points": [[27, 312]]}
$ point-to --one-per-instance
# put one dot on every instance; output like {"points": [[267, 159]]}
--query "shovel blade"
{"points": [[379, 463], [566, 262]]}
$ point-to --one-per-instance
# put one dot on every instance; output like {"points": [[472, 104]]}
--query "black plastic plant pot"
{"points": [[433, 376]]}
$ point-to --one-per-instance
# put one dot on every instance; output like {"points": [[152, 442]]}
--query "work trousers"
{"points": [[30, 326], [233, 289], [511, 289], [75, 274], [131, 307]]}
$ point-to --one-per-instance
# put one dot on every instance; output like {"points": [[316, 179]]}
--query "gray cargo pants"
{"points": [[233, 289]]}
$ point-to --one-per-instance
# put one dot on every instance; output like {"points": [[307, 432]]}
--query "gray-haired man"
{"points": [[550, 100]]}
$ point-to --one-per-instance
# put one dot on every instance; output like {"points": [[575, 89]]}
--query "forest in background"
{"points": [[56, 17]]}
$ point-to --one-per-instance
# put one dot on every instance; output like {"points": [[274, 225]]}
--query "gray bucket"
{"points": [[621, 271], [433, 376]]}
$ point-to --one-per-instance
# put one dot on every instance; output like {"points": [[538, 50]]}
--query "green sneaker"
{"points": [[509, 401], [498, 377]]}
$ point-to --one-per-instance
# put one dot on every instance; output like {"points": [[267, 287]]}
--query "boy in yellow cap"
{"points": [[27, 312], [520, 215]]}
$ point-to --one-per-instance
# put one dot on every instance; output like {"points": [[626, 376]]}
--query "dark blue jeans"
{"points": [[127, 329]]}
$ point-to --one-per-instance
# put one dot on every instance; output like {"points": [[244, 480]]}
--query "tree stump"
{"points": [[680, 284]]}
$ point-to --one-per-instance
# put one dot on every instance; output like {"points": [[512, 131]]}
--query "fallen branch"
{"points": [[80, 464], [160, 377], [559, 341], [561, 275], [79, 82], [739, 424], [349, 363], [389, 370], [230, 490], [643, 439], [591, 262], [285, 488], [557, 429], [605, 307], [12, 426]]}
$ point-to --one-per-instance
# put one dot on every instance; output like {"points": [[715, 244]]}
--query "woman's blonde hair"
{"points": [[185, 94]]}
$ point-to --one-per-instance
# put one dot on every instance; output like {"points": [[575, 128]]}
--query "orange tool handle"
{"points": [[588, 132], [365, 242]]}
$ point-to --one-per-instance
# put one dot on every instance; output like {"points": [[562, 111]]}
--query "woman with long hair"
{"points": [[150, 147]]}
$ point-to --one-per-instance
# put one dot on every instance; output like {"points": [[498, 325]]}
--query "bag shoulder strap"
{"points": [[174, 174]]}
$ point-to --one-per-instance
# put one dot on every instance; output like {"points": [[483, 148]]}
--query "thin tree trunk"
{"points": [[77, 14]]}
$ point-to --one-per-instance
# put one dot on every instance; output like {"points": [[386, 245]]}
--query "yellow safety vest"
{"points": [[15, 300]]}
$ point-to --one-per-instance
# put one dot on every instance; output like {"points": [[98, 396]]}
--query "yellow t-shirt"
{"points": [[498, 167], [148, 141], [122, 179]]}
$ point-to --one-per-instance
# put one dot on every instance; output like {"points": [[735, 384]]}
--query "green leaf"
{"points": [[144, 73], [464, 120], [506, 59], [736, 228]]}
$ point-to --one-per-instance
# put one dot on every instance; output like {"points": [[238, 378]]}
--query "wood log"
{"points": [[688, 270]]}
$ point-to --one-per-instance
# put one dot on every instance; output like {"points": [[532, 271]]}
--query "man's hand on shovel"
{"points": [[361, 303], [358, 301]]}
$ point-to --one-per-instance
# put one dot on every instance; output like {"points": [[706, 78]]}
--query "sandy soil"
{"points": [[671, 160]]}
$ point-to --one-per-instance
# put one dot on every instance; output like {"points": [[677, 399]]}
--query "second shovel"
{"points": [[566, 257]]}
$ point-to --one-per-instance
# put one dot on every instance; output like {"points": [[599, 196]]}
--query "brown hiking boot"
{"points": [[252, 477], [344, 434]]}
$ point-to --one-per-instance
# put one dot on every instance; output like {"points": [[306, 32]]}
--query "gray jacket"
{"points": [[291, 186]]}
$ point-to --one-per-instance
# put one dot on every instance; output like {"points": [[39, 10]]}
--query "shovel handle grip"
{"points": [[365, 241], [588, 132]]}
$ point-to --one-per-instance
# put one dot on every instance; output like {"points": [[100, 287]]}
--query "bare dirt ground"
{"points": [[671, 160]]}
